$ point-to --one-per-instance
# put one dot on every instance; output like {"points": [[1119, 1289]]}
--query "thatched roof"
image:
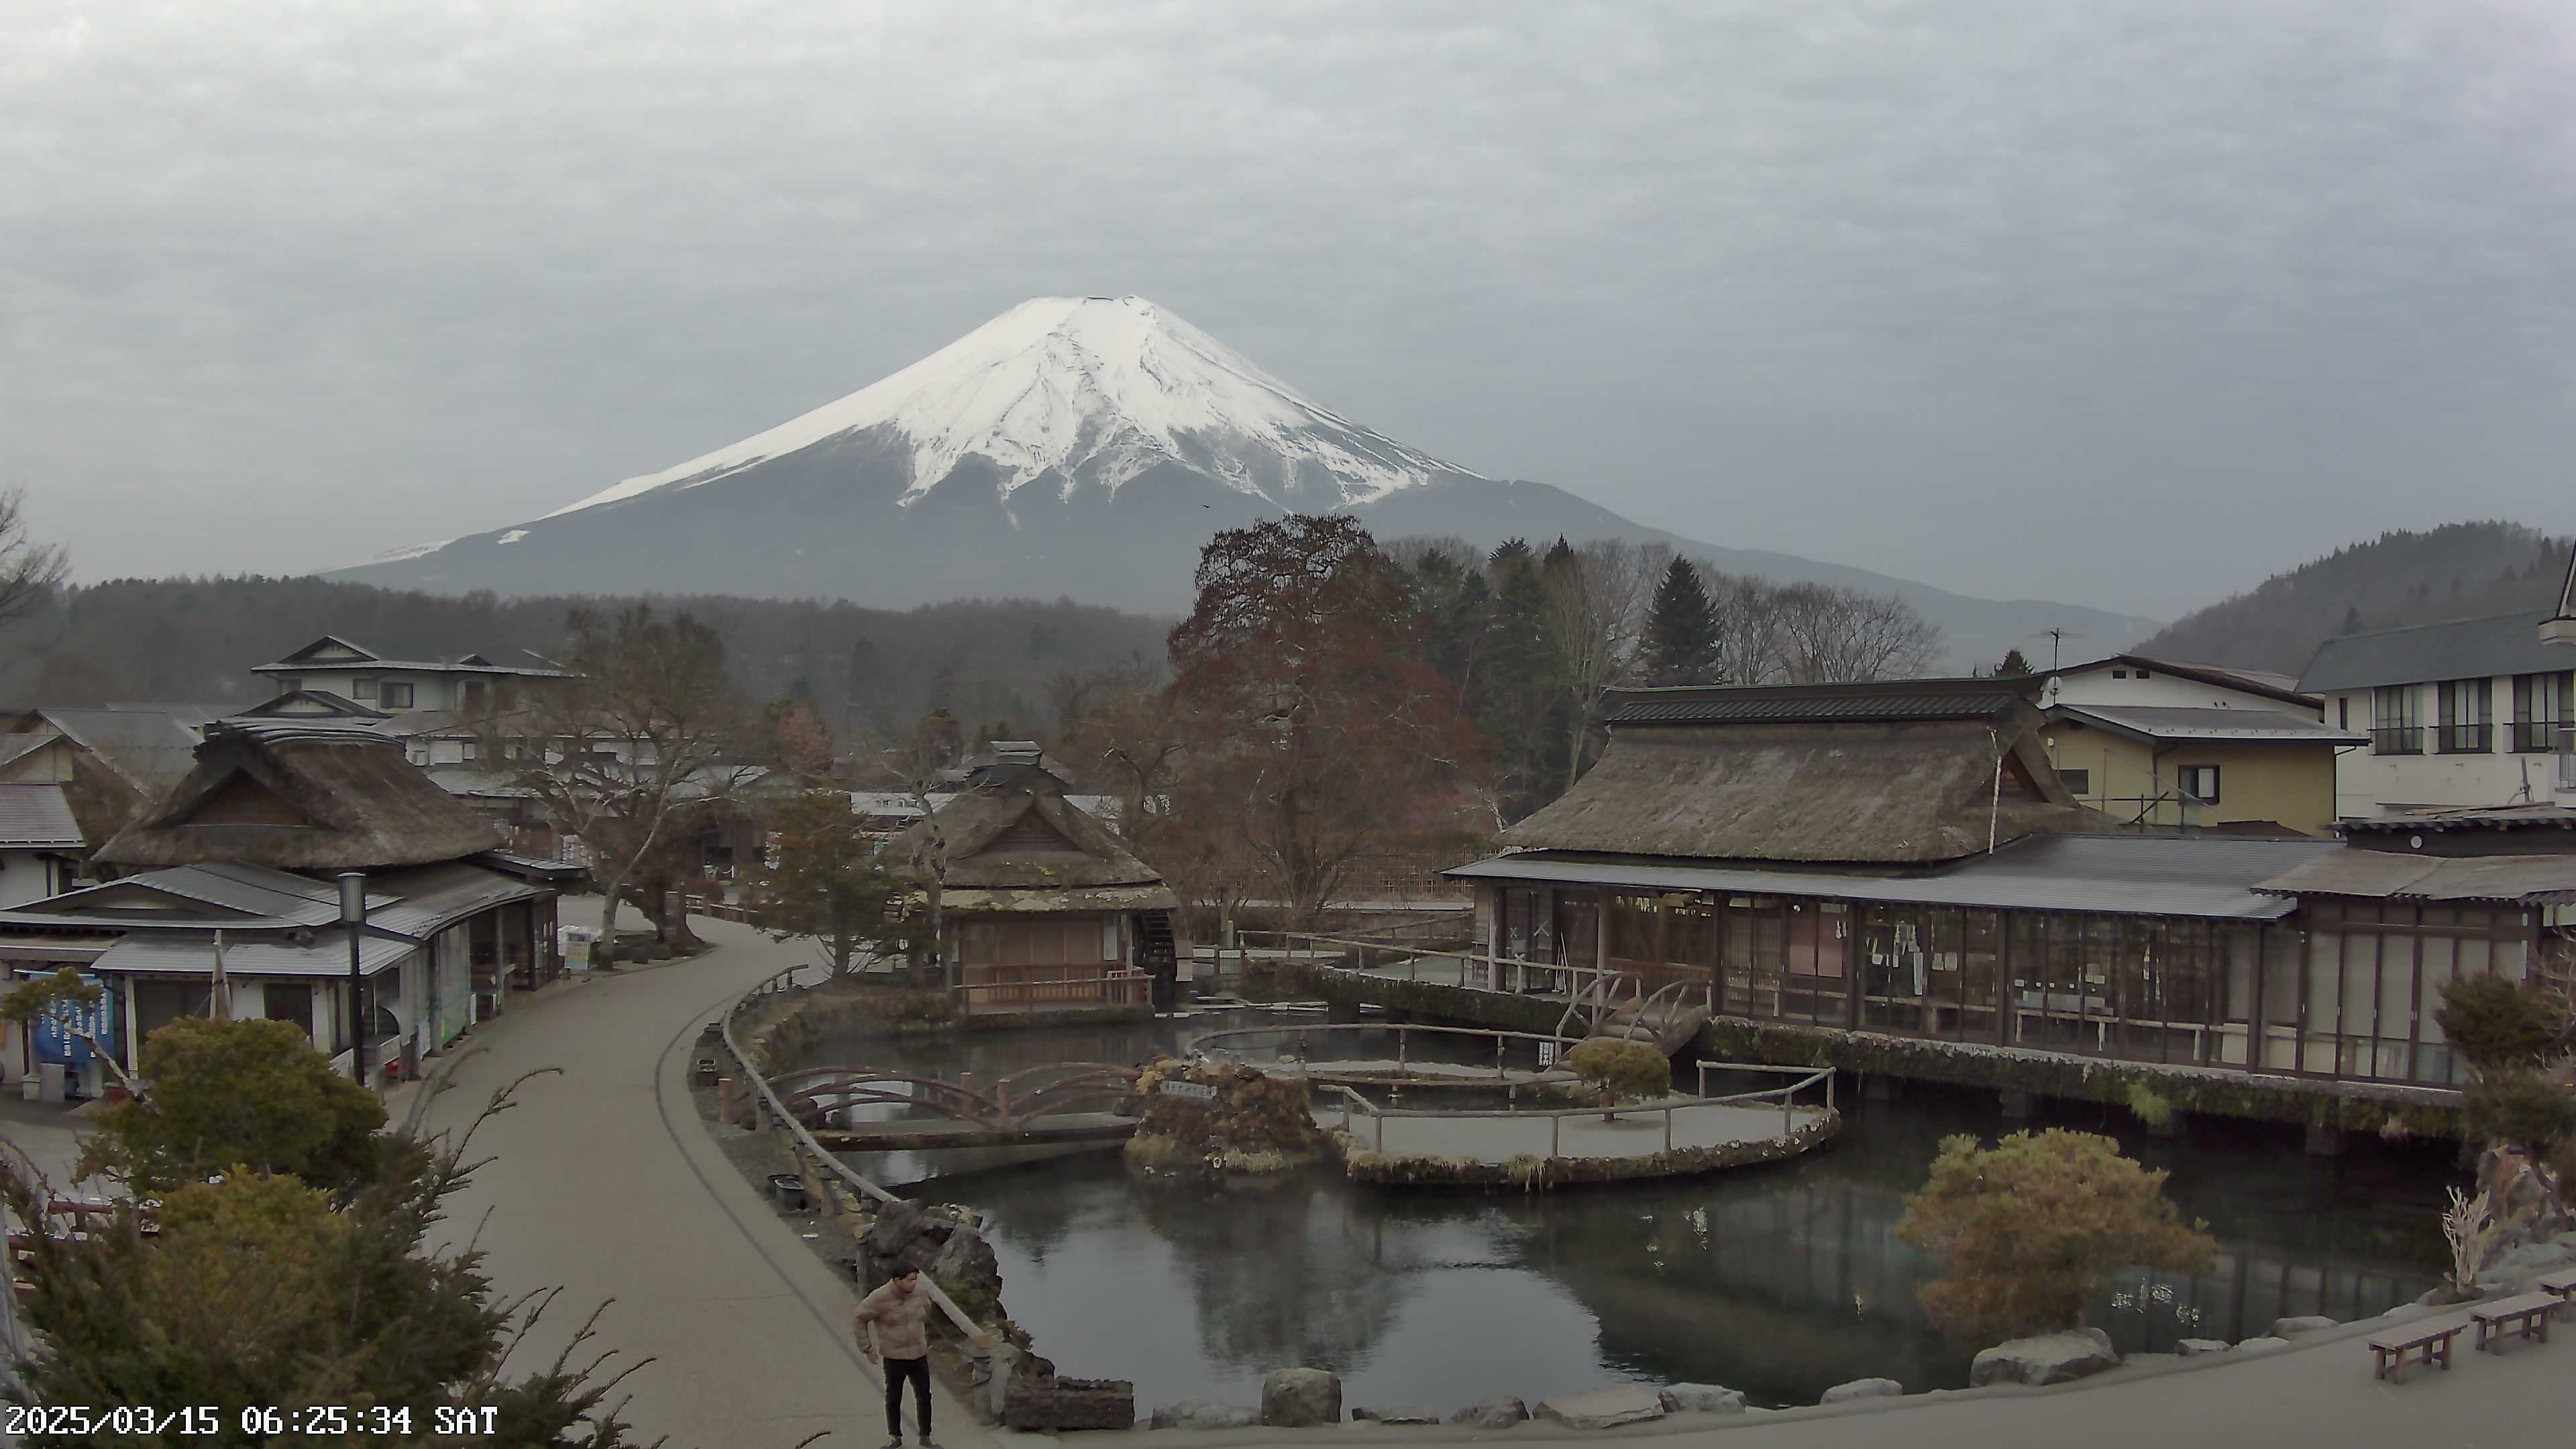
{"points": [[304, 797], [1024, 836], [1907, 791]]}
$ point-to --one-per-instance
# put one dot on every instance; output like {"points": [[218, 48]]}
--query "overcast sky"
{"points": [[2125, 304]]}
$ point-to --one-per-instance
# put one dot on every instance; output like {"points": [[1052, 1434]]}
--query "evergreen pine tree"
{"points": [[1681, 630], [2351, 620], [2015, 665]]}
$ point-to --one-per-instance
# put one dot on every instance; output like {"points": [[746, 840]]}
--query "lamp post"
{"points": [[353, 914]]}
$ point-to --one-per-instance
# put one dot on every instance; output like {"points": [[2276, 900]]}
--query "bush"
{"points": [[2496, 1023], [1631, 1071], [2150, 1105], [223, 1095], [2032, 1229], [2519, 1107]]}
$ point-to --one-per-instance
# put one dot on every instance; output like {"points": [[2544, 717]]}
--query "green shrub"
{"points": [[2521, 1108], [1631, 1071], [2496, 1023], [2032, 1229]]}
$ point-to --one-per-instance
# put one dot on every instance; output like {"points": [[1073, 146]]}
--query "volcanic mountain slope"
{"points": [[1083, 446]]}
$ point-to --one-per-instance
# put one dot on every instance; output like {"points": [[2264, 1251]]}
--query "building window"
{"points": [[473, 750], [2396, 720], [2198, 781], [2343, 711], [397, 695], [2465, 722], [288, 684], [362, 689], [2142, 674], [2543, 707], [2119, 674], [2077, 782]]}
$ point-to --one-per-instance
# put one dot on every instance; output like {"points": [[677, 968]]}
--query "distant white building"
{"points": [[2469, 713], [335, 667]]}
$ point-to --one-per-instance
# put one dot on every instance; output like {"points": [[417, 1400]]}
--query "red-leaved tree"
{"points": [[1301, 680]]}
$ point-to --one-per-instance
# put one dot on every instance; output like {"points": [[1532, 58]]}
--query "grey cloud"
{"points": [[2121, 303]]}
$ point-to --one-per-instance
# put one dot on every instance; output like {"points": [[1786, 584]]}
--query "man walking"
{"points": [[899, 1311]]}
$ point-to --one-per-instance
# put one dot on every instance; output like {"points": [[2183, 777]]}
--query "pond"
{"points": [[1779, 1281]]}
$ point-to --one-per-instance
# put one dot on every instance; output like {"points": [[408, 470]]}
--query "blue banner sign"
{"points": [[59, 1032]]}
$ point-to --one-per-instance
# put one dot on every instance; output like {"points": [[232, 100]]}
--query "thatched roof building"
{"points": [[1909, 772], [302, 796], [1017, 844]]}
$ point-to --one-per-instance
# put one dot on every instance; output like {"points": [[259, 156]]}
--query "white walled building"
{"points": [[333, 666], [2470, 713]]}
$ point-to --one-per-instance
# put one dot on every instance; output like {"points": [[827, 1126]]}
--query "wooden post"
{"points": [[1498, 1057], [1554, 1122], [1668, 1129], [1381, 1129], [1786, 1120], [1400, 1058]]}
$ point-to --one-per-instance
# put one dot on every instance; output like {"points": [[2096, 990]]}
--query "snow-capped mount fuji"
{"points": [[1088, 390], [1076, 446]]}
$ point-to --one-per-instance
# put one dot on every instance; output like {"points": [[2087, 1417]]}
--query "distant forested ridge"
{"points": [[194, 641], [2457, 571]]}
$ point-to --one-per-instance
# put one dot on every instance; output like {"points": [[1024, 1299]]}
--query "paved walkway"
{"points": [[605, 1184]]}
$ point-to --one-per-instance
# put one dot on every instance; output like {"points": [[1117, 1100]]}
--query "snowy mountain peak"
{"points": [[1089, 390]]}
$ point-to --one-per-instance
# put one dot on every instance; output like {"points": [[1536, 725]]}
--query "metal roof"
{"points": [[2283, 687], [152, 749], [2510, 817], [1911, 699], [194, 955], [2227, 726], [2461, 649], [37, 817], [2387, 875], [435, 897], [2203, 877]]}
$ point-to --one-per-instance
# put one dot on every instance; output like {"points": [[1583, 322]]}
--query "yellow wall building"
{"points": [[2199, 768]]}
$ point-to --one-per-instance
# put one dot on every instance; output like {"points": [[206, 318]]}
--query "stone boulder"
{"points": [[1057, 1404], [1863, 1389], [1605, 1408], [2293, 1327], [1702, 1399], [1199, 1414], [1301, 1398], [2258, 1344], [2195, 1347], [1499, 1413], [2050, 1358], [1395, 1414]]}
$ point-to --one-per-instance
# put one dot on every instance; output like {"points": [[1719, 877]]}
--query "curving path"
{"points": [[603, 1182]]}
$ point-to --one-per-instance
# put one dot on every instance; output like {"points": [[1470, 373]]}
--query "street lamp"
{"points": [[353, 914]]}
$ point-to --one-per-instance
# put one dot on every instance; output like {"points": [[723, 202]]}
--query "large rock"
{"points": [[2050, 1358], [1863, 1389], [1058, 1403], [1395, 1414], [1200, 1414], [1702, 1399], [1499, 1413], [2195, 1347], [1605, 1408], [2259, 1344], [1301, 1398], [2293, 1327]]}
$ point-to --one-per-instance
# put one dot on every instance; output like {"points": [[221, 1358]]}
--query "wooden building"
{"points": [[1042, 905], [1900, 859], [236, 870]]}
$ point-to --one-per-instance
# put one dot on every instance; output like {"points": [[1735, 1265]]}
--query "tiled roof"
{"points": [[1925, 699], [2390, 875]]}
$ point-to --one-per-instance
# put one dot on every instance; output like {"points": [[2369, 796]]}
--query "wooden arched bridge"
{"points": [[1059, 1102]]}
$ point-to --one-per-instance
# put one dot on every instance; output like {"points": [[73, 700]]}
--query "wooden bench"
{"points": [[2433, 1336], [2561, 1283], [2527, 1316]]}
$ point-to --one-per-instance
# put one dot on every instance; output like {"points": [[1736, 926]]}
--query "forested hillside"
{"points": [[193, 641], [2457, 571]]}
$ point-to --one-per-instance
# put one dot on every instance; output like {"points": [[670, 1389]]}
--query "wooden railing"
{"points": [[1354, 1105]]}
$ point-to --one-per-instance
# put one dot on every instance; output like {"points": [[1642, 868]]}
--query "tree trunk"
{"points": [[604, 954]]}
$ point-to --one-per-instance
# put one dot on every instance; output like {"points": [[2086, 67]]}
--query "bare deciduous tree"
{"points": [[1833, 635], [646, 726], [1596, 610], [29, 571]]}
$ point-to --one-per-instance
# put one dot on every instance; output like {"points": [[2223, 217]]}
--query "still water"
{"points": [[1779, 1281]]}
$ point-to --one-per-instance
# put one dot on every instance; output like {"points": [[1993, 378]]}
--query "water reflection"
{"points": [[1779, 1281]]}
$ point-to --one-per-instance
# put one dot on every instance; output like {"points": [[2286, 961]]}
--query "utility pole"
{"points": [[353, 914]]}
